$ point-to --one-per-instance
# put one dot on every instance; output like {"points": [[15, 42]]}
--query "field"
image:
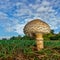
{"points": [[26, 50]]}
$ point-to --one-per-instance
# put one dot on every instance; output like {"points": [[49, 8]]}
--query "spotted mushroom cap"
{"points": [[36, 26]]}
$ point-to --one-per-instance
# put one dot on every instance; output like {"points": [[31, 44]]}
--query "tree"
{"points": [[13, 38], [18, 37], [4, 39], [26, 38], [52, 31]]}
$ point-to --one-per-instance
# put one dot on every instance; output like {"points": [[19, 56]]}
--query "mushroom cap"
{"points": [[36, 26]]}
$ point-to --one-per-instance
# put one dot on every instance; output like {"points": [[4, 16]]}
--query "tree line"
{"points": [[50, 36]]}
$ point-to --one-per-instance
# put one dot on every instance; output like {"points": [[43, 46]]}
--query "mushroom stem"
{"points": [[39, 41]]}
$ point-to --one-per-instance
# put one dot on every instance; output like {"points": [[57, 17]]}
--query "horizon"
{"points": [[8, 37], [15, 14]]}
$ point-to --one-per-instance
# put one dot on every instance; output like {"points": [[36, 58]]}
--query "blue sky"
{"points": [[14, 14]]}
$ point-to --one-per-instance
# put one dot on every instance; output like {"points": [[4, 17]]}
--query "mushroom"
{"points": [[36, 28]]}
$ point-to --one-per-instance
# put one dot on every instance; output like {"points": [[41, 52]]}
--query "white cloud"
{"points": [[15, 26], [41, 9], [3, 16], [19, 28], [11, 24], [45, 3], [3, 19], [5, 37]]}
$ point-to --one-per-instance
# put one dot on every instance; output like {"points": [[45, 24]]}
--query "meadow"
{"points": [[11, 48]]}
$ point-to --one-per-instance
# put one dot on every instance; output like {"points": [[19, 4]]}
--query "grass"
{"points": [[8, 47], [52, 44]]}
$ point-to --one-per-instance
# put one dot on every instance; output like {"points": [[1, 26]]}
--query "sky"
{"points": [[14, 14]]}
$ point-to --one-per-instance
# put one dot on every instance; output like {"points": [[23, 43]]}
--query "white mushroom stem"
{"points": [[39, 41]]}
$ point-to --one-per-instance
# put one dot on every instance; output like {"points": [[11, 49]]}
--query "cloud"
{"points": [[8, 37], [17, 27], [10, 24], [25, 11], [43, 11], [3, 19], [3, 15]]}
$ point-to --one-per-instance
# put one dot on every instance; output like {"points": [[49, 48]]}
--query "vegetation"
{"points": [[52, 36], [25, 48]]}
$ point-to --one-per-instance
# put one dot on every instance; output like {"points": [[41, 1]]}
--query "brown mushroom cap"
{"points": [[36, 26]]}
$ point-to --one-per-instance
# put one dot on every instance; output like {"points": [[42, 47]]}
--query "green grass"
{"points": [[52, 44], [7, 47]]}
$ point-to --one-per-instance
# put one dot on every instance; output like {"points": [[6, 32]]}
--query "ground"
{"points": [[26, 50]]}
